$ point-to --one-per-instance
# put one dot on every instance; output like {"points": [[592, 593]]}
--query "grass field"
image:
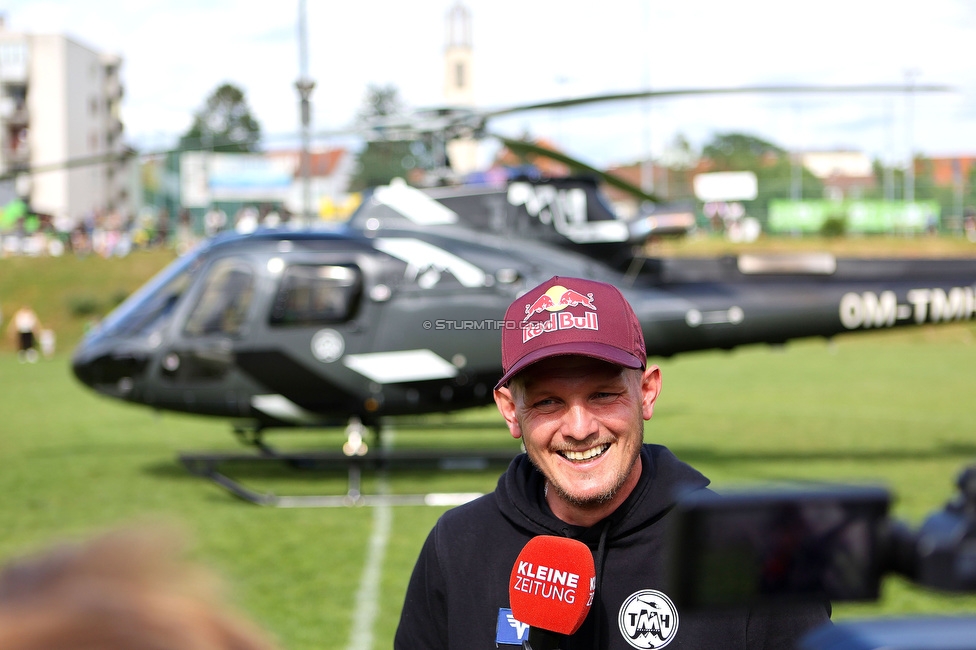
{"points": [[893, 408]]}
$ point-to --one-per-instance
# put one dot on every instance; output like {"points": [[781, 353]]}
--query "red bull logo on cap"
{"points": [[556, 299]]}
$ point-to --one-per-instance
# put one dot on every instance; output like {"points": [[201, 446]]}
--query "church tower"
{"points": [[458, 58], [459, 84]]}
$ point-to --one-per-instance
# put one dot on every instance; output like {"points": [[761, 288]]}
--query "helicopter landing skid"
{"points": [[207, 465]]}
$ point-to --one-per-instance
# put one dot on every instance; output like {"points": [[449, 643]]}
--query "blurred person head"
{"points": [[128, 589]]}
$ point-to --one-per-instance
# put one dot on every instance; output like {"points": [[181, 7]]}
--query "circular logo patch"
{"points": [[648, 619], [327, 345]]}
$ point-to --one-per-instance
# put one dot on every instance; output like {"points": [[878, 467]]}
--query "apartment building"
{"points": [[61, 133]]}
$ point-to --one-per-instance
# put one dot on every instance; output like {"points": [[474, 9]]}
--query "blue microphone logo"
{"points": [[510, 631]]}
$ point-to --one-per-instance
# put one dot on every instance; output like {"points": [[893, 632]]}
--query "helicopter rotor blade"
{"points": [[742, 90], [118, 156], [211, 145], [456, 121], [524, 147]]}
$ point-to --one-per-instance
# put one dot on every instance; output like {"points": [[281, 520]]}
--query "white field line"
{"points": [[368, 596]]}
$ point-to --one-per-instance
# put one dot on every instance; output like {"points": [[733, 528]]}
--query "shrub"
{"points": [[834, 226], [82, 306]]}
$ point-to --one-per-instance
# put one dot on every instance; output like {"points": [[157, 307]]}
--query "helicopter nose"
{"points": [[107, 370], [84, 368]]}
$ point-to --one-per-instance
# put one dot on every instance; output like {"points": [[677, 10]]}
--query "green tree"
{"points": [[224, 123], [741, 152], [381, 161], [772, 165], [380, 101]]}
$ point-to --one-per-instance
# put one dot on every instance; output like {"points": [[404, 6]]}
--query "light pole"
{"points": [[304, 85]]}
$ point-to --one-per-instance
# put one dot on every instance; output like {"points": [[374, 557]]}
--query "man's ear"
{"points": [[650, 389], [506, 406]]}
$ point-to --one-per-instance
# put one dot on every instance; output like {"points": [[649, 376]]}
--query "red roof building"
{"points": [[946, 170]]}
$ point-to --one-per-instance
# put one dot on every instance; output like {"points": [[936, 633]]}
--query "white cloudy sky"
{"points": [[177, 51]]}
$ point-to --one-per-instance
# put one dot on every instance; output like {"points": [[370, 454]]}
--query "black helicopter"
{"points": [[399, 311], [316, 327]]}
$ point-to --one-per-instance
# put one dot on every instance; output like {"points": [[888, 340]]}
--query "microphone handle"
{"points": [[540, 639]]}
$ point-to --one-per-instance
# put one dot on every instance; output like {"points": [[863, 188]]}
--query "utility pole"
{"points": [[305, 85]]}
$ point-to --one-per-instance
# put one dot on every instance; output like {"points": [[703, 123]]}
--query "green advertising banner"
{"points": [[858, 216]]}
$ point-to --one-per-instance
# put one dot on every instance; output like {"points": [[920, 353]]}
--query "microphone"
{"points": [[551, 589]]}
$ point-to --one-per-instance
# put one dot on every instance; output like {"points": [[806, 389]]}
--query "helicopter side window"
{"points": [[309, 295], [223, 304]]}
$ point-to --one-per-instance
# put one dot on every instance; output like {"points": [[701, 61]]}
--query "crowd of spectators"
{"points": [[110, 234]]}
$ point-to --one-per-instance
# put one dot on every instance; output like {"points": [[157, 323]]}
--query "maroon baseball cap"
{"points": [[571, 316]]}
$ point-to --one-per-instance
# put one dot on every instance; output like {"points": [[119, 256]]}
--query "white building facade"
{"points": [[61, 133]]}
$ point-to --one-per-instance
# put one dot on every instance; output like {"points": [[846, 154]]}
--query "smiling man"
{"points": [[577, 390]]}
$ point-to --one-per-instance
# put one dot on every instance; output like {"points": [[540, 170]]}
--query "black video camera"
{"points": [[834, 542]]}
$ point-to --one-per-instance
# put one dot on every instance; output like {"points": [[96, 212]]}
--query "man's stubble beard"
{"points": [[608, 494]]}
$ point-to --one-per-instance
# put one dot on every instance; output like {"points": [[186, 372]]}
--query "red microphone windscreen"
{"points": [[552, 584]]}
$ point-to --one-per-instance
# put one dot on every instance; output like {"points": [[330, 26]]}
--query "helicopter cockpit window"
{"points": [[144, 310], [310, 295], [223, 304]]}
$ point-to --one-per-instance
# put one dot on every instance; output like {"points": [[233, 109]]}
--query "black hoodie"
{"points": [[459, 588]]}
